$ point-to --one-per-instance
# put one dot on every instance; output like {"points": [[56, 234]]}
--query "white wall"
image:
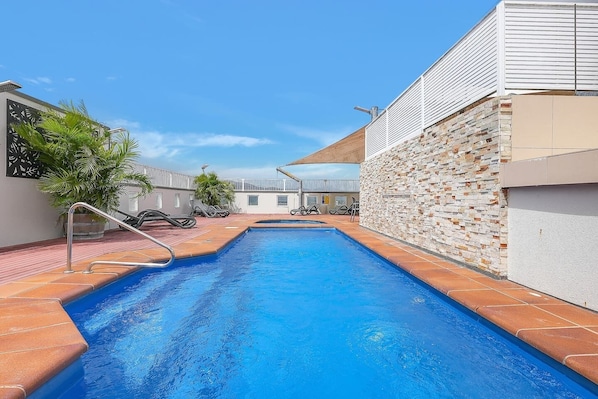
{"points": [[267, 202], [25, 213], [553, 241], [162, 198]]}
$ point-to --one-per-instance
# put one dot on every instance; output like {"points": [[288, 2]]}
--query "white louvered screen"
{"points": [[539, 54], [405, 115], [375, 136], [587, 47], [539, 46], [466, 73]]}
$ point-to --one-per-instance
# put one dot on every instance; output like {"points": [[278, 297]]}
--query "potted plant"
{"points": [[82, 162]]}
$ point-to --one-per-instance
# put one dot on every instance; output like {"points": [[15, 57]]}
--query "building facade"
{"points": [[520, 85]]}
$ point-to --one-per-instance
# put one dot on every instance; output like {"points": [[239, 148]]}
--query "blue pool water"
{"points": [[290, 221], [299, 313]]}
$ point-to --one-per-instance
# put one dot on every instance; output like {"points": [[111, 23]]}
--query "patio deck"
{"points": [[38, 339]]}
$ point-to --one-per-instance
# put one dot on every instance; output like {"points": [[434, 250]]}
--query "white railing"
{"points": [[517, 47], [282, 185], [166, 178], [331, 186], [264, 184]]}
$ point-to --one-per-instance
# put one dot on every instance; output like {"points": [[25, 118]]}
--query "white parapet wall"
{"points": [[553, 241], [553, 225]]}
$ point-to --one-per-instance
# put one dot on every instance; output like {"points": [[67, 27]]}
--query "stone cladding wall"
{"points": [[441, 191]]}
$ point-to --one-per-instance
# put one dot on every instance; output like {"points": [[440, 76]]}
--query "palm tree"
{"points": [[212, 191], [81, 160]]}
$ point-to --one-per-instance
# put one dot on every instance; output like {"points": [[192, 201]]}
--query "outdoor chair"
{"points": [[152, 215], [209, 211], [302, 210], [339, 210]]}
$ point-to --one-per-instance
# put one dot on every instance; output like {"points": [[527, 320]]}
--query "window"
{"points": [[282, 200], [158, 200], [340, 200], [312, 200], [252, 200], [177, 200], [133, 202]]}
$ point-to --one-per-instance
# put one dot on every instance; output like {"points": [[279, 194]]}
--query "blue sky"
{"points": [[243, 86]]}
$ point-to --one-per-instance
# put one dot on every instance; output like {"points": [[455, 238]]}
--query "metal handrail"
{"points": [[69, 241], [354, 210]]}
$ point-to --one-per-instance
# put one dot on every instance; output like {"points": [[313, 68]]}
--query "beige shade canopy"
{"points": [[350, 149]]}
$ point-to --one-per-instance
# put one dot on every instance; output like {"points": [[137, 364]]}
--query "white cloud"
{"points": [[225, 140], [154, 144], [39, 80]]}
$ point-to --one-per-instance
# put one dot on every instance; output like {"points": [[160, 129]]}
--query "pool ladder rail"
{"points": [[354, 210], [69, 241]]}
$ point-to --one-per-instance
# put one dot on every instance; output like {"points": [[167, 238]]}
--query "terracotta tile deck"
{"points": [[38, 339]]}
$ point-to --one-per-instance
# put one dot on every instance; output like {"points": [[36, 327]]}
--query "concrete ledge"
{"points": [[573, 168]]}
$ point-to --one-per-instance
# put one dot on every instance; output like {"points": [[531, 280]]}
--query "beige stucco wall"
{"points": [[550, 125], [441, 191]]}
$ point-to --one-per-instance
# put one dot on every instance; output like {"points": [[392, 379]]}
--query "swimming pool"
{"points": [[294, 313], [290, 221]]}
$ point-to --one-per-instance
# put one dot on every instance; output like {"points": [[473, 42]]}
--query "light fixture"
{"points": [[372, 111], [9, 85], [203, 168]]}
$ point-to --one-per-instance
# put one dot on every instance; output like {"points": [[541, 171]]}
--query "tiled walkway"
{"points": [[38, 339]]}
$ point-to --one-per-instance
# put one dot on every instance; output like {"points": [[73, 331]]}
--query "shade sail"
{"points": [[351, 149]]}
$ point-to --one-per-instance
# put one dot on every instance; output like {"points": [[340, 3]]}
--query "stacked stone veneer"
{"points": [[441, 190]]}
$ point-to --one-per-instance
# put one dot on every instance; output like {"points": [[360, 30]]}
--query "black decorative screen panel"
{"points": [[20, 162]]}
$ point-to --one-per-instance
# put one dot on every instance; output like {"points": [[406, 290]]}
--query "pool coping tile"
{"points": [[473, 299], [561, 343]]}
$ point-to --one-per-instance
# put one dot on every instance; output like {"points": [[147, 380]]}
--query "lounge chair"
{"points": [[302, 210], [219, 209], [339, 210], [209, 211], [152, 215]]}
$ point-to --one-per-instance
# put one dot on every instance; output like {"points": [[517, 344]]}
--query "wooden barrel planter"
{"points": [[87, 227]]}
